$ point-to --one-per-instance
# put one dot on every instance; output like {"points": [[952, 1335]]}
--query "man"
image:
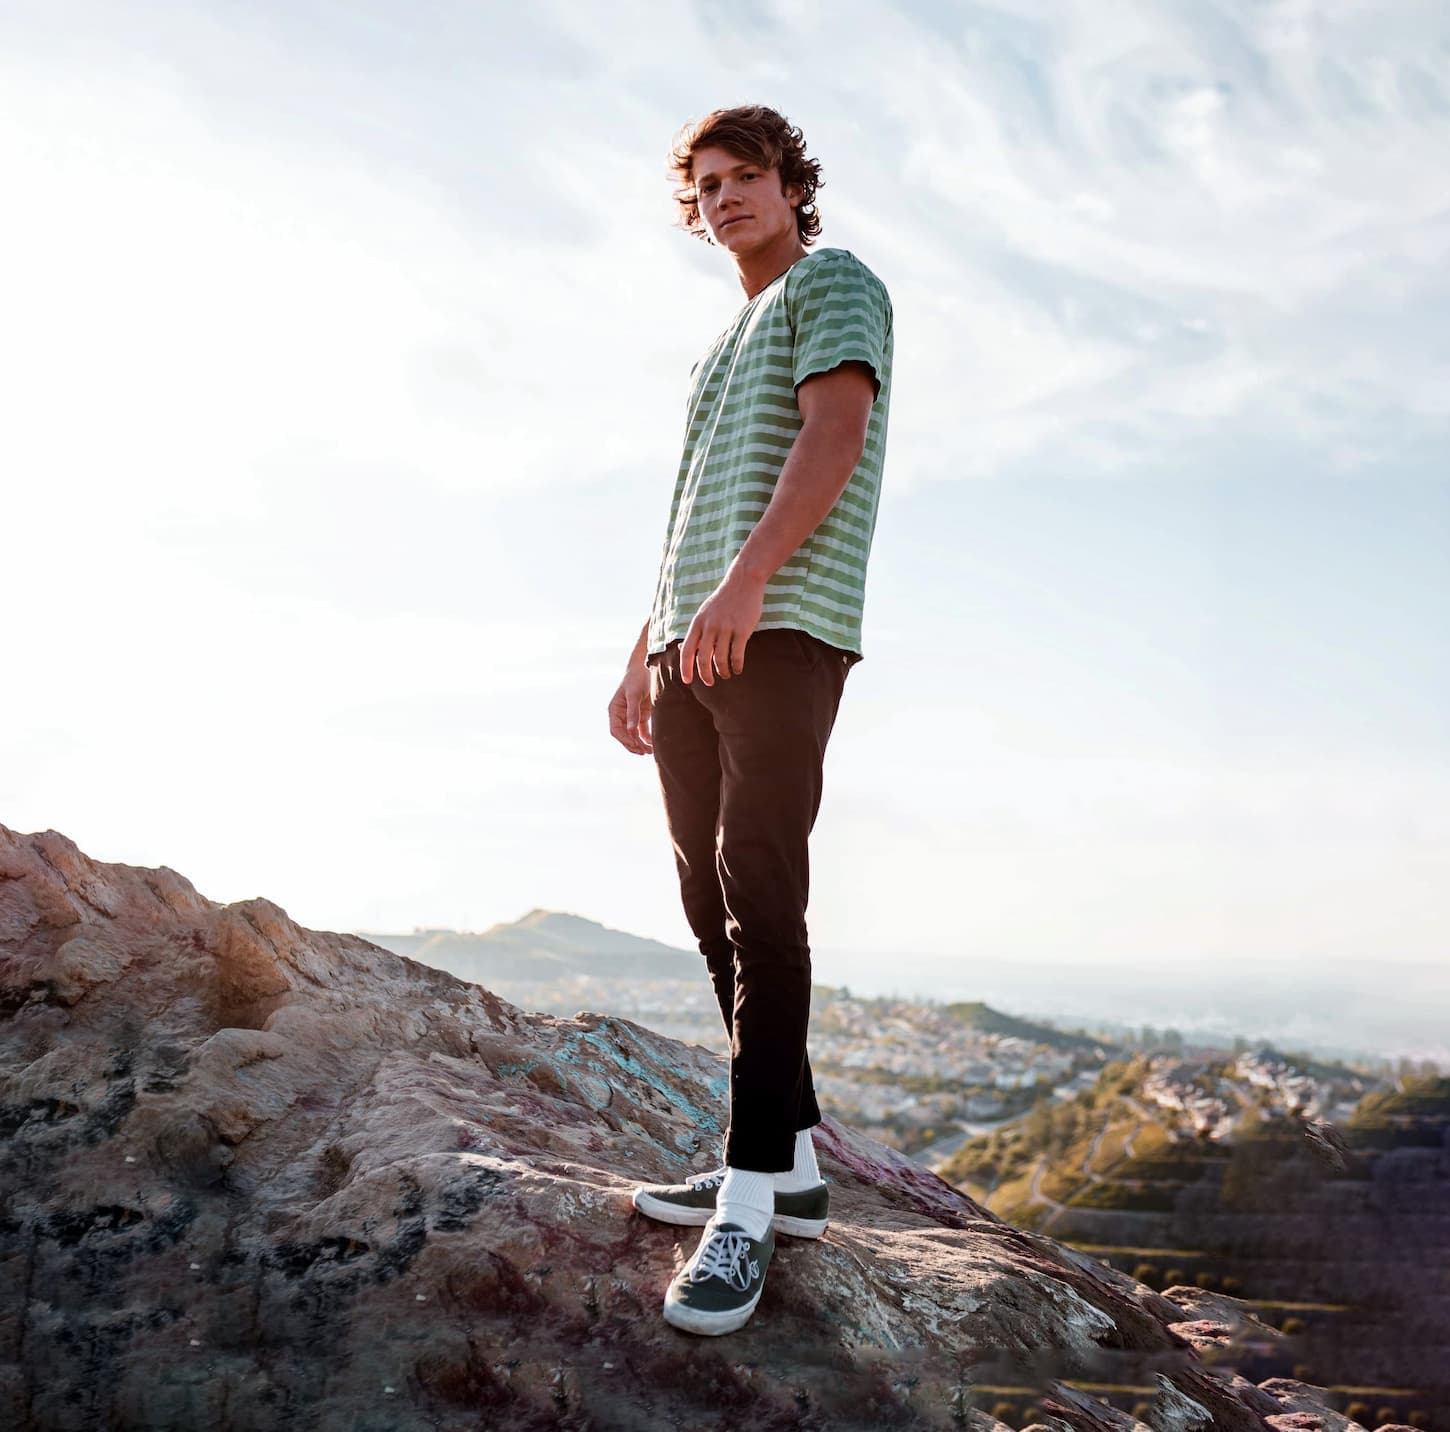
{"points": [[736, 678]]}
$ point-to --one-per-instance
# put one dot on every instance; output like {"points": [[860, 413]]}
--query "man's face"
{"points": [[741, 202]]}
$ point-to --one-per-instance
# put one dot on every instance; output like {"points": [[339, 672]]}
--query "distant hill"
{"points": [[1426, 1098], [982, 1017], [544, 945], [1307, 1063]]}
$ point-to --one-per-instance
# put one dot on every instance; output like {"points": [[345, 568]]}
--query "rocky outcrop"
{"points": [[260, 1177]]}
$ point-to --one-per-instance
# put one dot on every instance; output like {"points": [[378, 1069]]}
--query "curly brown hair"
{"points": [[759, 135]]}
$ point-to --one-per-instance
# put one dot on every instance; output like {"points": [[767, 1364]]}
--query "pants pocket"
{"points": [[810, 647]]}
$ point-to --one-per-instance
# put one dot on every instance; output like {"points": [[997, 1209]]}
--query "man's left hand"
{"points": [[715, 642]]}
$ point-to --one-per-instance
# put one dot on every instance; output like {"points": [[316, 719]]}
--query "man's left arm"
{"points": [[835, 410]]}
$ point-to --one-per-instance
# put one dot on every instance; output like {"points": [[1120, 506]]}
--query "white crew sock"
{"points": [[804, 1173], [747, 1198]]}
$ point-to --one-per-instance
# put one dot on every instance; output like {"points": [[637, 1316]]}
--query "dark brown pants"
{"points": [[740, 769]]}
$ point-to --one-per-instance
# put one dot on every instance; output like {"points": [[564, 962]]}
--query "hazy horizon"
{"points": [[1249, 999]]}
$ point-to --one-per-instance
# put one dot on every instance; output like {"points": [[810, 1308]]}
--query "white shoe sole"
{"points": [[692, 1320], [799, 1227], [664, 1212], [653, 1207]]}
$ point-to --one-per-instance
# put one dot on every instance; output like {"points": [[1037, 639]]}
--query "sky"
{"points": [[344, 357]]}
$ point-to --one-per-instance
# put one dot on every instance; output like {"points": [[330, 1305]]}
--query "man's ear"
{"points": [[793, 193]]}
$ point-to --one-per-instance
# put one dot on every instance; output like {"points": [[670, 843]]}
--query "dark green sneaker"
{"points": [[692, 1204], [804, 1214], [717, 1290]]}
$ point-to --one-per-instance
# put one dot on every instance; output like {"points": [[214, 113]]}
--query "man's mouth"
{"points": [[738, 219]]}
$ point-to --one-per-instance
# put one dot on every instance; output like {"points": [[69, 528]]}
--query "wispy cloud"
{"points": [[1107, 225]]}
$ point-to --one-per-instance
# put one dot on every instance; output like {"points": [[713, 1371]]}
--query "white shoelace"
{"points": [[726, 1254], [707, 1180]]}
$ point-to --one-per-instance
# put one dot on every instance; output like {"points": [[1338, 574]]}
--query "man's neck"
{"points": [[763, 267]]}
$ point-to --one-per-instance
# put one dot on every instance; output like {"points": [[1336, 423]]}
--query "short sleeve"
{"points": [[839, 312]]}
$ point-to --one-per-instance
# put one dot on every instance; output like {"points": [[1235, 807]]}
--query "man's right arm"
{"points": [[629, 707]]}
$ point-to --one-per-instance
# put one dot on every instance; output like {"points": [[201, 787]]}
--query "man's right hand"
{"points": [[629, 711]]}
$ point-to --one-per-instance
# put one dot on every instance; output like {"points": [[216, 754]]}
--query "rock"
{"points": [[259, 1176], [1305, 1408], [1327, 1143], [1084, 1413], [1215, 1320]]}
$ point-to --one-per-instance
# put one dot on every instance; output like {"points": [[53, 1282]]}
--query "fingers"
{"points": [[638, 726], [617, 727], [688, 649], [705, 660], [737, 653], [706, 653], [629, 723], [728, 653], [687, 654], [619, 720]]}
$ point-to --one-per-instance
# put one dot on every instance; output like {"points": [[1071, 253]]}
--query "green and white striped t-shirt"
{"points": [[826, 309]]}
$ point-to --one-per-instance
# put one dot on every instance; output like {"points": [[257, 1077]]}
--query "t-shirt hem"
{"points": [[854, 652]]}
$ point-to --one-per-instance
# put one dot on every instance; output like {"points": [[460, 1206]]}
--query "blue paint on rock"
{"points": [[523, 1067], [571, 1054]]}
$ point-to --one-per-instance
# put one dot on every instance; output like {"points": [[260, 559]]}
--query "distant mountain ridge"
{"points": [[540, 946], [547, 945], [982, 1017]]}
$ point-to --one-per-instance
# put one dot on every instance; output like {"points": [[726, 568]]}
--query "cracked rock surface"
{"points": [[258, 1176]]}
